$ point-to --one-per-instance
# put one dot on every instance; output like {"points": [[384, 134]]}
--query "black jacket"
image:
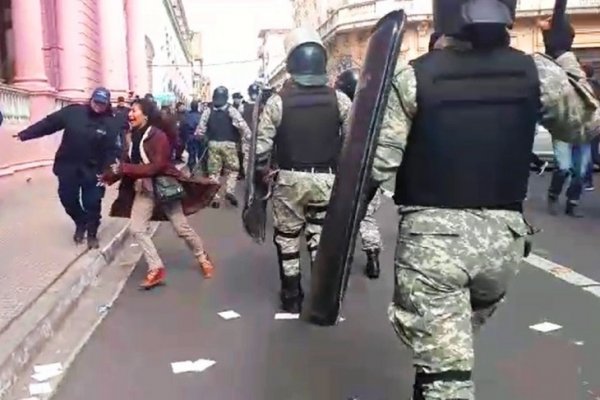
{"points": [[90, 141]]}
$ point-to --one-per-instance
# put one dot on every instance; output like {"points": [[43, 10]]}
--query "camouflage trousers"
{"points": [[300, 202], [369, 231], [452, 268], [223, 158]]}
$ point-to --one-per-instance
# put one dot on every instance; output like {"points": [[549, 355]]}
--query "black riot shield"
{"points": [[254, 215], [331, 268]]}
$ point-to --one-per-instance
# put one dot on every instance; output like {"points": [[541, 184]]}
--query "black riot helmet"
{"points": [[307, 59], [347, 82], [450, 17], [237, 95], [220, 96], [253, 91]]}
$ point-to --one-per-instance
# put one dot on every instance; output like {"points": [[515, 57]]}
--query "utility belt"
{"points": [[312, 170]]}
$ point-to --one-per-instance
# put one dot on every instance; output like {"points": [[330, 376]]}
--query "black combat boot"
{"points": [[291, 294], [231, 199], [92, 237], [215, 204], [372, 269], [79, 235], [572, 210]]}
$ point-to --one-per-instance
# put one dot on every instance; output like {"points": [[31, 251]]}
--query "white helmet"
{"points": [[300, 36]]}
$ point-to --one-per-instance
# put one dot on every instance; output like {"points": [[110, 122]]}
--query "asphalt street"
{"points": [[257, 357]]}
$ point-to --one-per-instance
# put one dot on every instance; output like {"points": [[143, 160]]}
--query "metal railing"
{"points": [[15, 103]]}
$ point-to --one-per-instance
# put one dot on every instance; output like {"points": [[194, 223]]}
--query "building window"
{"points": [[7, 55]]}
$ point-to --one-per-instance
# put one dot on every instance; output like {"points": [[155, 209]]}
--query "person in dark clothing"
{"points": [[121, 114], [90, 144], [1, 118], [180, 112], [194, 147]]}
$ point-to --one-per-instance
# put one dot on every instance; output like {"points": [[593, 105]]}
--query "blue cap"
{"points": [[101, 95]]}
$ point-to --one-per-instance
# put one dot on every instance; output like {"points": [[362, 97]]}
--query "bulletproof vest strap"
{"points": [[471, 140], [309, 133]]}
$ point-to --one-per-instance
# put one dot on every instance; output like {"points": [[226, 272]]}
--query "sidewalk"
{"points": [[35, 239]]}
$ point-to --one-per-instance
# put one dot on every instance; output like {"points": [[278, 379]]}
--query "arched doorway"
{"points": [[149, 62]]}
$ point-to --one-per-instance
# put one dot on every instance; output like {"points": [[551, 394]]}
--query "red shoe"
{"points": [[207, 267], [154, 278]]}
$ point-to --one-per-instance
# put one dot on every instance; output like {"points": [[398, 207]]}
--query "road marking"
{"points": [[564, 273], [545, 327]]}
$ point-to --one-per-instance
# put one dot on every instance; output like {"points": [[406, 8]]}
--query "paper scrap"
{"points": [[342, 319], [192, 366], [182, 366], [227, 315], [32, 398], [40, 388], [286, 316], [578, 342], [46, 368], [44, 376], [203, 364], [545, 327]]}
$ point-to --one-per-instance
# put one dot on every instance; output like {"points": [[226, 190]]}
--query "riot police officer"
{"points": [[305, 121], [224, 127], [368, 229], [459, 128]]}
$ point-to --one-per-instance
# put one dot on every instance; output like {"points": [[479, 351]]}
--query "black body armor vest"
{"points": [[471, 140]]}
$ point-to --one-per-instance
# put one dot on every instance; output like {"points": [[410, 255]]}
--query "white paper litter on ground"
{"points": [[45, 368], [545, 327], [203, 364], [192, 366], [342, 319], [40, 388], [44, 376], [286, 316], [227, 315], [182, 366], [32, 398]]}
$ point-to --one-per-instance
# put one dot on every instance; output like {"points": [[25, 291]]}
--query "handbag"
{"points": [[167, 189]]}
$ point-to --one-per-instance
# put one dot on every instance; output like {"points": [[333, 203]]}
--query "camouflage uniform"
{"points": [[452, 266], [223, 155], [369, 231], [300, 199]]}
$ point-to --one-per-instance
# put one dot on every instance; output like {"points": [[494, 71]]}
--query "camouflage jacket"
{"points": [[570, 113]]}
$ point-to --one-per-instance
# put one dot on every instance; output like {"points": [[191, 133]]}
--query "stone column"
{"points": [[30, 70], [113, 48], [71, 59], [136, 47]]}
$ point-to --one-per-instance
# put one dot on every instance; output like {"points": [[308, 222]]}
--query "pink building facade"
{"points": [[54, 52]]}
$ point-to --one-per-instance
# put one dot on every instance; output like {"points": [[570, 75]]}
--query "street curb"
{"points": [[32, 330]]}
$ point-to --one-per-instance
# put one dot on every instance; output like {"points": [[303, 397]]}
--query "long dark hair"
{"points": [[165, 123]]}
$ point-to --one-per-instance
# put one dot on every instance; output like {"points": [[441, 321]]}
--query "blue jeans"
{"points": [[571, 162], [196, 150], [588, 180]]}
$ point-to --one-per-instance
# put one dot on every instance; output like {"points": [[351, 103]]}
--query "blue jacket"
{"points": [[189, 124]]}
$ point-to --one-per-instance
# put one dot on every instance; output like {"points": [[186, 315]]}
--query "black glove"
{"points": [[559, 39]]}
